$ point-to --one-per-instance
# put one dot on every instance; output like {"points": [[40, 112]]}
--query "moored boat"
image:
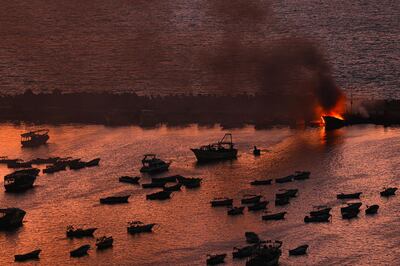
{"points": [[349, 196], [320, 211], [287, 193], [136, 227], [19, 181], [160, 195], [215, 259], [262, 205], [129, 179], [153, 185], [243, 252], [222, 150], [282, 201], [176, 187], [390, 191], [373, 209], [80, 252], [11, 218], [94, 162], [300, 250], [33, 255], [151, 164], [351, 207], [50, 169], [76, 165], [18, 164], [322, 218], [350, 214], [191, 182], [301, 175], [115, 199], [216, 202], [274, 216], [166, 179], [261, 182], [35, 138], [285, 179], [235, 210], [79, 232], [252, 238], [266, 255], [249, 199], [104, 242], [256, 152]]}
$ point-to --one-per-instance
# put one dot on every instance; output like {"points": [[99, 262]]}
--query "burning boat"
{"points": [[222, 150], [35, 138], [11, 218], [333, 122]]}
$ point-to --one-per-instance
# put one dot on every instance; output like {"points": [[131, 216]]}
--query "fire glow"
{"points": [[337, 111]]}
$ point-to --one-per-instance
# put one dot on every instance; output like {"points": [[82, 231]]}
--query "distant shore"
{"points": [[230, 111]]}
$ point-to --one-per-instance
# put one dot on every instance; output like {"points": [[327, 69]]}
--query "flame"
{"points": [[337, 111]]}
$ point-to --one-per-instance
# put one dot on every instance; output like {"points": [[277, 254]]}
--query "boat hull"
{"points": [[207, 155], [12, 219]]}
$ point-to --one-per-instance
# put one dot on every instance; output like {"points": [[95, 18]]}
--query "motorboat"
{"points": [[151, 164], [222, 150], [35, 138]]}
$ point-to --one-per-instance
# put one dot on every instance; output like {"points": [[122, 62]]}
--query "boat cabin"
{"points": [[34, 138]]}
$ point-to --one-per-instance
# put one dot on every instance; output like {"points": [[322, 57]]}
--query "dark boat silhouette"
{"points": [[351, 207], [349, 196], [115, 199], [285, 179], [50, 169], [104, 242], [301, 175], [151, 164], [261, 182], [176, 187], [153, 185], [249, 199], [129, 179], [387, 192], [94, 162], [80, 252], [332, 122], [373, 209], [235, 210], [215, 259], [322, 218], [21, 180], [222, 150], [266, 254], [262, 205], [252, 238], [282, 201], [221, 202], [321, 211], [300, 250], [256, 152], [11, 218], [35, 138], [28, 256], [79, 232], [136, 227], [274, 216], [165, 179], [288, 193]]}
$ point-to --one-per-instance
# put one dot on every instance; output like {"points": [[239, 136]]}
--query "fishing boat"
{"points": [[35, 138], [349, 196], [274, 216], [387, 192], [80, 252], [11, 218], [301, 175], [94, 162], [79, 232], [252, 238], [160, 195], [221, 202], [215, 259], [136, 227], [373, 209], [249, 199], [332, 122], [176, 187], [129, 179], [322, 218], [261, 182], [235, 210], [20, 181], [33, 255], [151, 164], [104, 242], [266, 255], [115, 199], [222, 150], [285, 179], [262, 205], [300, 250]]}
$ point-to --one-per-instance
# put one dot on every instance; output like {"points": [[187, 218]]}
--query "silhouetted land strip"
{"points": [[205, 109]]}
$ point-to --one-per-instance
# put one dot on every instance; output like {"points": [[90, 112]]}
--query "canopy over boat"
{"points": [[34, 133]]}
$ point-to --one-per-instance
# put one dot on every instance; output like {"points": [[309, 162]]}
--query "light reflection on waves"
{"points": [[189, 227]]}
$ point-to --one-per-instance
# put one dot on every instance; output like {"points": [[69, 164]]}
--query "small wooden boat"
{"points": [[318, 218], [79, 232], [221, 202], [351, 207], [33, 255], [243, 252], [249, 199], [80, 252], [222, 150], [256, 152], [104, 242], [266, 255], [160, 195], [165, 179], [301, 175], [35, 138], [191, 182], [301, 250], [176, 187], [261, 182], [153, 185], [326, 210], [215, 259], [76, 165], [282, 201], [373, 209], [94, 162], [129, 179], [115, 199], [18, 182], [236, 210], [151, 164], [274, 216], [252, 238], [287, 193], [136, 227], [50, 169], [262, 205], [285, 179], [17, 164], [11, 218], [350, 214], [349, 196], [387, 192]]}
